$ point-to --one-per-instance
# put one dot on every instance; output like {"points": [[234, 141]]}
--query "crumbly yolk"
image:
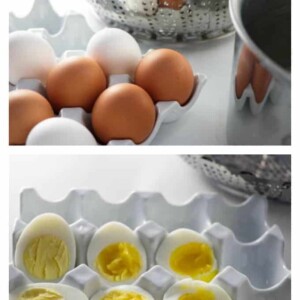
{"points": [[195, 260], [118, 262], [40, 294], [122, 295], [200, 294], [46, 257]]}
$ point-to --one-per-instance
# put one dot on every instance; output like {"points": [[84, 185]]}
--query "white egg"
{"points": [[60, 131], [116, 254], [144, 7], [115, 50], [195, 289], [46, 249], [30, 57], [40, 290], [123, 292], [187, 254]]}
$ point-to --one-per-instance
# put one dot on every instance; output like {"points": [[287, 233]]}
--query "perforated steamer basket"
{"points": [[157, 19], [269, 175]]}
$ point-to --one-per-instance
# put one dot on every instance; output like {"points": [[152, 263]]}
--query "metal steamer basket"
{"points": [[269, 175], [178, 20]]}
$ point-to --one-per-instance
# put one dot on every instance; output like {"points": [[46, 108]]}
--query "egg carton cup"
{"points": [[247, 271], [248, 96], [81, 278], [70, 31], [167, 111], [158, 280]]}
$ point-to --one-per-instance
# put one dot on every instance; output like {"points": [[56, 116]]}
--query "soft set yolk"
{"points": [[40, 294], [200, 294], [195, 260], [123, 295], [46, 257], [118, 262]]}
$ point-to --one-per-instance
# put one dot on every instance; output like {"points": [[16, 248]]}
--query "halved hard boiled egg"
{"points": [[43, 291], [123, 292], [46, 249], [189, 289], [187, 253], [117, 254]]}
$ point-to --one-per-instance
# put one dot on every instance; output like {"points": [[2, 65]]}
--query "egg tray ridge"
{"points": [[265, 277], [56, 29]]}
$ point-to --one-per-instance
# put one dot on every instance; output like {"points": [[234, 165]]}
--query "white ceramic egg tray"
{"points": [[167, 111], [249, 253], [66, 44]]}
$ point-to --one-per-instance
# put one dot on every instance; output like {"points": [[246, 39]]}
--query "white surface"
{"points": [[205, 124], [114, 177]]}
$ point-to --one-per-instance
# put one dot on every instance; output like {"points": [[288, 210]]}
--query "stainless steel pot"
{"points": [[260, 94]]}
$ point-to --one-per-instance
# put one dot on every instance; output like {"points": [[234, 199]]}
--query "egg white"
{"points": [[60, 132], [191, 286], [174, 240], [30, 56], [129, 288], [112, 233], [45, 224], [68, 292]]}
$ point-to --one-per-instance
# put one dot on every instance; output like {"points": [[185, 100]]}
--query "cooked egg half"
{"points": [[189, 289], [43, 291], [124, 292], [187, 253], [46, 249], [117, 254]]}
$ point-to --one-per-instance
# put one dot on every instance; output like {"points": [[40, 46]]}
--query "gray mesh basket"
{"points": [[269, 175], [155, 19]]}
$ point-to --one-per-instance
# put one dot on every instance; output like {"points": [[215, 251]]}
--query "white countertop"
{"points": [[115, 177]]}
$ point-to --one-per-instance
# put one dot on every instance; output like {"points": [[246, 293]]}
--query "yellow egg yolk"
{"points": [[119, 262], [200, 294], [195, 260], [122, 295], [46, 257], [40, 294]]}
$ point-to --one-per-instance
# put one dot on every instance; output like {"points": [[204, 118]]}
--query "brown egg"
{"points": [[26, 109], [260, 82], [166, 75], [123, 111], [75, 82], [173, 4], [244, 71]]}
